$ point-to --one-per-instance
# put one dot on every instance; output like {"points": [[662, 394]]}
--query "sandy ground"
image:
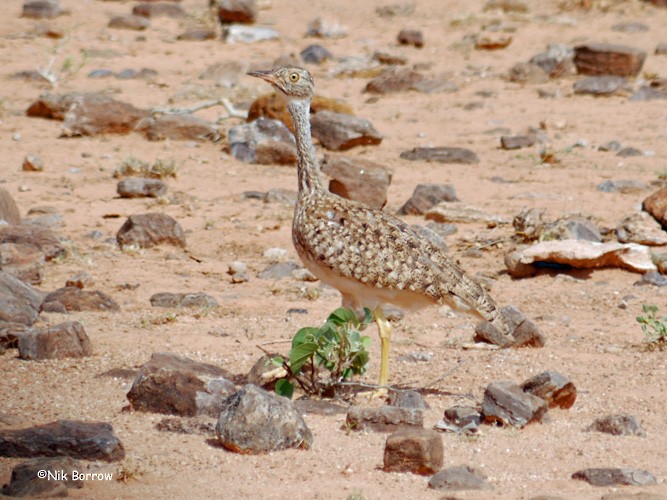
{"points": [[590, 338]]}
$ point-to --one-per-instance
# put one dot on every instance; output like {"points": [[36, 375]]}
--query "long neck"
{"points": [[309, 172]]}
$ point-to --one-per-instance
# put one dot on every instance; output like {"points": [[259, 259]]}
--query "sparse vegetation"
{"points": [[337, 346], [134, 167], [654, 327]]}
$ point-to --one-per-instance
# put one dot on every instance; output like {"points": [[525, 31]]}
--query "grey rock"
{"points": [[129, 22], [415, 450], [149, 230], [9, 210], [426, 196], [407, 399], [19, 301], [279, 195], [71, 298], [70, 438], [652, 92], [24, 262], [201, 424], [41, 9], [357, 179], [326, 28], [516, 141], [411, 37], [507, 404], [641, 228], [264, 141], [395, 10], [177, 385], [140, 187], [601, 85], [255, 421], [449, 212], [237, 11], [656, 205], [32, 163], [607, 59], [622, 186], [614, 146], [629, 151], [554, 388], [198, 35], [319, 407], [572, 228], [278, 270], [64, 340], [661, 49], [459, 479], [525, 332], [652, 278], [166, 299], [237, 33], [394, 80], [615, 476], [556, 61], [618, 425], [315, 54], [524, 72], [178, 127], [441, 155], [383, 419], [630, 27], [460, 419], [158, 9], [26, 481], [132, 74], [340, 131]]}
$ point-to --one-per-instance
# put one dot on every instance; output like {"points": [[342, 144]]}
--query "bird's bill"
{"points": [[267, 76]]}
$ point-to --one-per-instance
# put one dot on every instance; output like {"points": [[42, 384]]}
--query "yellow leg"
{"points": [[384, 329]]}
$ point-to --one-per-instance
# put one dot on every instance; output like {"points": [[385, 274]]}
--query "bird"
{"points": [[370, 256]]}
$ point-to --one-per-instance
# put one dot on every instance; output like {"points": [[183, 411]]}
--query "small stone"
{"points": [[426, 196], [19, 301], [279, 195], [315, 54], [201, 424], [9, 210], [166, 299], [556, 61], [415, 450], [319, 407], [70, 438], [237, 267], [630, 27], [661, 49], [492, 41], [238, 33], [263, 141], [516, 141], [618, 425], [460, 419], [177, 385], [450, 212], [607, 59], [524, 72], [552, 387], [389, 59], [326, 28], [198, 35], [395, 10], [601, 85], [394, 80], [524, 331], [65, 340], [129, 22], [407, 399], [149, 230], [459, 479], [158, 9], [140, 187], [572, 228], [441, 155], [357, 179], [275, 254], [656, 205], [278, 270], [629, 151], [411, 37], [340, 131], [622, 186], [41, 9], [254, 421], [237, 11], [641, 228], [383, 419], [33, 163], [71, 298], [178, 127], [515, 6], [615, 477], [304, 274], [416, 357], [652, 278], [507, 404], [656, 90]]}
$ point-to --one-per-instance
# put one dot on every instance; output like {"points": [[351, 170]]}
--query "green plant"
{"points": [[654, 327], [337, 346]]}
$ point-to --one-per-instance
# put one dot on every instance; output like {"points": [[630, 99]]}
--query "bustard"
{"points": [[371, 257]]}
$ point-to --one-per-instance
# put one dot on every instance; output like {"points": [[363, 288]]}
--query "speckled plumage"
{"points": [[370, 256]]}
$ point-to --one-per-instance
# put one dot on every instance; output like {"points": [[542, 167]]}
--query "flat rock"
{"points": [[524, 331], [237, 11], [198, 35], [149, 230], [516, 141], [656, 205], [491, 40], [652, 278], [415, 450], [158, 9], [572, 228], [629, 152], [264, 141], [618, 425], [630, 27], [426, 196], [71, 298], [608, 59], [178, 127], [622, 186], [340, 131], [394, 80], [238, 33], [64, 340], [315, 54], [129, 22], [43, 239], [552, 387], [641, 228], [254, 421], [95, 114], [411, 37], [579, 254], [357, 179], [441, 155], [26, 481], [601, 85], [24, 262], [460, 420], [515, 6], [70, 438], [407, 399], [525, 72], [459, 479], [615, 477], [141, 187], [167, 299], [556, 61], [41, 9], [383, 419], [176, 385], [19, 301], [9, 210], [459, 212], [319, 407], [507, 404]]}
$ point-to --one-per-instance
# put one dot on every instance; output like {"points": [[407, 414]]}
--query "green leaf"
{"points": [[300, 355], [343, 315], [276, 361], [307, 334], [284, 388], [368, 318]]}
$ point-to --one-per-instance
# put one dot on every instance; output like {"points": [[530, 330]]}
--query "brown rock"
{"points": [[149, 230], [32, 163], [264, 141], [80, 280], [411, 37], [505, 403], [360, 180], [641, 228], [140, 187], [556, 61], [180, 127], [70, 438], [339, 131], [492, 41], [93, 114], [129, 22], [176, 385], [441, 155], [552, 387], [158, 9], [45, 240], [412, 449], [167, 299], [516, 6], [19, 302], [198, 35], [525, 332], [613, 477], [618, 425], [9, 339], [394, 80], [54, 106], [237, 11], [383, 419], [9, 210], [656, 205], [71, 298], [426, 196], [607, 59], [516, 141], [524, 72], [65, 340]]}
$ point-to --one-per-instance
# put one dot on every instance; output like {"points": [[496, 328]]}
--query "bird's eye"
{"points": [[294, 77]]}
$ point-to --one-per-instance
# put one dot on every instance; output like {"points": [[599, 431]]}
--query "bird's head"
{"points": [[290, 82]]}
